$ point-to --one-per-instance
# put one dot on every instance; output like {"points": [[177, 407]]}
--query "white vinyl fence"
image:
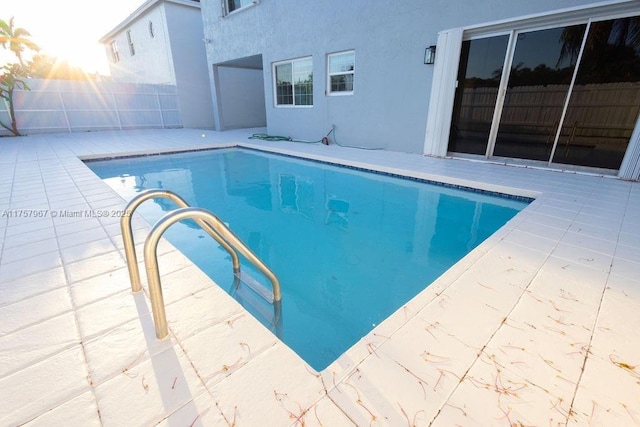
{"points": [[54, 106]]}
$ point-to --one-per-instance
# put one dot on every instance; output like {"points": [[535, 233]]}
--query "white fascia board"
{"points": [[578, 14], [140, 11]]}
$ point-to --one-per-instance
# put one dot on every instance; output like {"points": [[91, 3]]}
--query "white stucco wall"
{"points": [[390, 104], [175, 55], [152, 61]]}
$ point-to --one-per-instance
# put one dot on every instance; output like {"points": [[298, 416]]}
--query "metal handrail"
{"points": [[127, 233], [151, 258]]}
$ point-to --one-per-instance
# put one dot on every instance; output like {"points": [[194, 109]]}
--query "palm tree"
{"points": [[617, 39], [12, 76], [17, 38]]}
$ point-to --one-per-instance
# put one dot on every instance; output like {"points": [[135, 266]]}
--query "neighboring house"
{"points": [[162, 42], [570, 100]]}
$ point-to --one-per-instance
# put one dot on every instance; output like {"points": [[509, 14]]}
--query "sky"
{"points": [[68, 29]]}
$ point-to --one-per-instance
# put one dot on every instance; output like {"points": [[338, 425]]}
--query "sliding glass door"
{"points": [[540, 77], [605, 99], [479, 75], [572, 94]]}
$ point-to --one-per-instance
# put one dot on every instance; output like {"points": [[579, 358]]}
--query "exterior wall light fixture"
{"points": [[430, 54]]}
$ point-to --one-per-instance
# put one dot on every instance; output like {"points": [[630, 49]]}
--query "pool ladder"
{"points": [[209, 223]]}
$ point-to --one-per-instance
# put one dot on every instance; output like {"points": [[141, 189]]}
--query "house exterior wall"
{"points": [[152, 62], [174, 55], [390, 103], [184, 25], [241, 97]]}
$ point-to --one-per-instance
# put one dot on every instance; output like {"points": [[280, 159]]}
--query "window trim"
{"points": [[132, 49], [225, 7], [274, 82], [115, 55], [330, 92]]}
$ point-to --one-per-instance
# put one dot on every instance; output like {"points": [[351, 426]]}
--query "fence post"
{"points": [[6, 108], [64, 111], [115, 104], [159, 106]]}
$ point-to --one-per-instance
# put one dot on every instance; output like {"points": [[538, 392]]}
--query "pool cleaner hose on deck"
{"points": [[324, 140]]}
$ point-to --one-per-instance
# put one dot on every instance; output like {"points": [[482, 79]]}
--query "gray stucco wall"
{"points": [[241, 97], [392, 87], [184, 24]]}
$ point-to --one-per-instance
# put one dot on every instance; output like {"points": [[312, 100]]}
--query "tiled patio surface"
{"points": [[540, 325]]}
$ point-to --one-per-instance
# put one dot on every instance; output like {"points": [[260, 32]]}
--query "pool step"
{"points": [[256, 286], [258, 300]]}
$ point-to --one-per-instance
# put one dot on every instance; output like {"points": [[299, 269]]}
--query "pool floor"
{"points": [[538, 325]]}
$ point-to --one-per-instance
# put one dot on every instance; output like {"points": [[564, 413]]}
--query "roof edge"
{"points": [[140, 11]]}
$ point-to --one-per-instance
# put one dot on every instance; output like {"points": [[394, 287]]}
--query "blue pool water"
{"points": [[349, 247]]}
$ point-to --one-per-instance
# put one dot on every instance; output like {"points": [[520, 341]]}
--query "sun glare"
{"points": [[69, 29]]}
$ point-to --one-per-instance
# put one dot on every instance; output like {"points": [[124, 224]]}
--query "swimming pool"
{"points": [[349, 247]]}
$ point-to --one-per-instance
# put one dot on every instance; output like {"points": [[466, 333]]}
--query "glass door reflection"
{"points": [[479, 74], [539, 80], [605, 100]]}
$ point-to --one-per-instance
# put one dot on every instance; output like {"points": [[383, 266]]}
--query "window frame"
{"points": [[132, 49], [341, 73], [115, 55], [226, 9], [292, 62]]}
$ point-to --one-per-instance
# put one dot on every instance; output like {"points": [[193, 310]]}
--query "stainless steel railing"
{"points": [[208, 222], [127, 233], [151, 259]]}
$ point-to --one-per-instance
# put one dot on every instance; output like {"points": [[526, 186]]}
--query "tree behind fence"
{"points": [[54, 106]]}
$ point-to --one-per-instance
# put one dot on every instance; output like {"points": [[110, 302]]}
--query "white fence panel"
{"points": [[53, 106]]}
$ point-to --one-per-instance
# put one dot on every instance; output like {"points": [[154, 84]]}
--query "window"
{"points": [[293, 82], [132, 50], [115, 56], [341, 70], [231, 5]]}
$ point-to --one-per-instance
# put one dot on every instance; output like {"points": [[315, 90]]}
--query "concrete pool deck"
{"points": [[540, 325]]}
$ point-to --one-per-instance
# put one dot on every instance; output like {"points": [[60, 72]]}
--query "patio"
{"points": [[540, 325]]}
